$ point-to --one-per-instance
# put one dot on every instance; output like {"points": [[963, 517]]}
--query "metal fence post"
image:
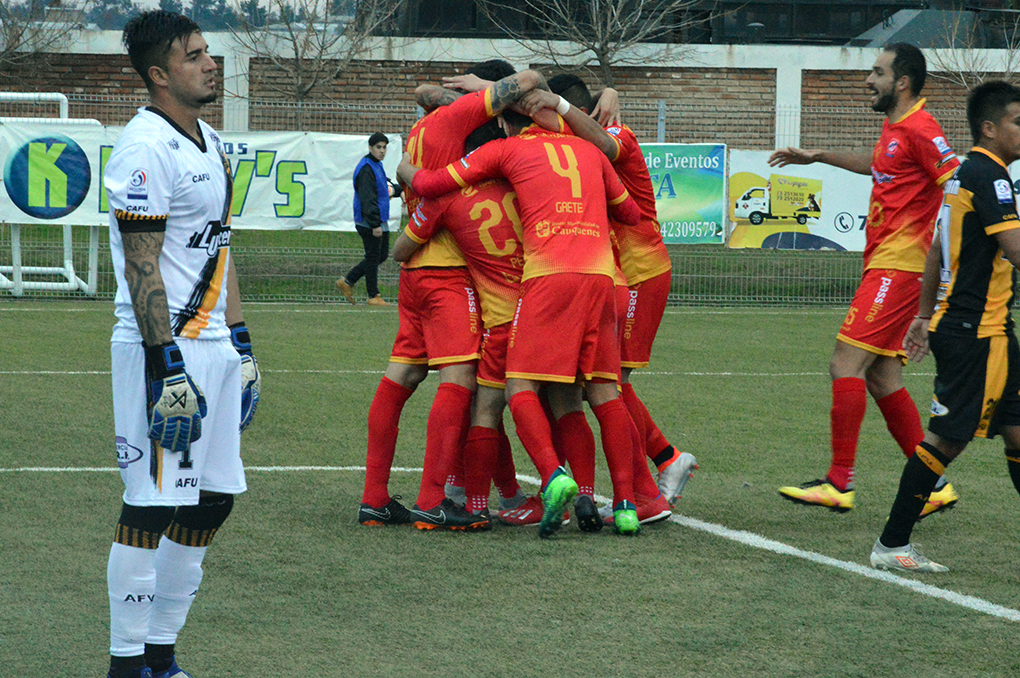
{"points": [[660, 133]]}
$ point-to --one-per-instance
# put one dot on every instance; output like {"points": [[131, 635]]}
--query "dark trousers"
{"points": [[376, 251]]}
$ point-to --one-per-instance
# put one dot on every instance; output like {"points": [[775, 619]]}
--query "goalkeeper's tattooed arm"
{"points": [[145, 282]]}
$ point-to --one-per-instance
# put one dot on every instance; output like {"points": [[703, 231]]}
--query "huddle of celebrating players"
{"points": [[518, 200], [527, 211]]}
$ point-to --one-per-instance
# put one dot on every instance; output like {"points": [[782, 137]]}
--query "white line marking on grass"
{"points": [[759, 542], [740, 536]]}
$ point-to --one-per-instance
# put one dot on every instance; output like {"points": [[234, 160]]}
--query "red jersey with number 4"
{"points": [[433, 142], [908, 167], [565, 187], [483, 221], [643, 255]]}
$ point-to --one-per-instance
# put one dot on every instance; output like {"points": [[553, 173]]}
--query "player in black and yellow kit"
{"points": [[964, 317]]}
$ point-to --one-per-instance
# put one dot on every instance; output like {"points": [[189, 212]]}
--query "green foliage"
{"points": [[294, 586]]}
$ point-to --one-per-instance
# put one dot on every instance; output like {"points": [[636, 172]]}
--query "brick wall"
{"points": [[839, 98], [90, 80]]}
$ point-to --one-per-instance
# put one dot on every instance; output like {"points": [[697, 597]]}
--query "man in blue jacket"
{"points": [[372, 193]]}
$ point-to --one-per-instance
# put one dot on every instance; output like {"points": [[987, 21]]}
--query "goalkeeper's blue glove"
{"points": [[175, 418], [251, 378]]}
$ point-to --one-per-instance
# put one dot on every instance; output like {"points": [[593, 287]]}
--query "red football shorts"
{"points": [[492, 364], [881, 311], [439, 320], [639, 313], [565, 325]]}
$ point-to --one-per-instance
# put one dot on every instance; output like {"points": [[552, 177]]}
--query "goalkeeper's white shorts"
{"points": [[154, 476]]}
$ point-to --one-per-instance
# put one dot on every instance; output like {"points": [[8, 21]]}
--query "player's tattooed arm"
{"points": [[431, 97], [145, 284], [511, 88]]}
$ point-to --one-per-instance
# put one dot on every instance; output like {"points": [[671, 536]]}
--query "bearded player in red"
{"points": [[908, 166]]}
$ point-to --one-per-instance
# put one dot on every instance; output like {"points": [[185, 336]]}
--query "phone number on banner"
{"points": [[689, 229]]}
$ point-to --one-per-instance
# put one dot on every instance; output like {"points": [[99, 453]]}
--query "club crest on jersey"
{"points": [[138, 188], [214, 237], [126, 453], [1003, 191], [890, 150], [940, 143], [614, 130]]}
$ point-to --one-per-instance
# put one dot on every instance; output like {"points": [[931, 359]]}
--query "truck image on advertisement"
{"points": [[782, 197]]}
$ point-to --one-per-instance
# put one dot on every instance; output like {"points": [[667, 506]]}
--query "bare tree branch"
{"points": [[312, 42], [599, 34], [969, 61], [35, 27]]}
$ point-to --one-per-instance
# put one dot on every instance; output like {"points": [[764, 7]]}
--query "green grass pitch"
{"points": [[295, 587]]}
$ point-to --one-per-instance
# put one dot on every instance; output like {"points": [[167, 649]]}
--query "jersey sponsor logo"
{"points": [[881, 177], [938, 409], [940, 143], [1003, 191], [186, 482], [196, 178], [876, 305], [214, 237], [138, 188], [126, 453], [48, 177], [890, 150]]}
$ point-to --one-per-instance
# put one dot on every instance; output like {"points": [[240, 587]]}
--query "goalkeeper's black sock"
{"points": [[159, 657], [126, 667], [920, 474]]}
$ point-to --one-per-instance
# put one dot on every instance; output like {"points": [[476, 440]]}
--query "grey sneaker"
{"points": [[902, 559], [674, 477]]}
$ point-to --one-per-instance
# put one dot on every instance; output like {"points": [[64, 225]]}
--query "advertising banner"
{"points": [[800, 207], [690, 190], [282, 180]]}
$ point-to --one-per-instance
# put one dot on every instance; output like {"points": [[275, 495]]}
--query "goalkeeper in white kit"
{"points": [[185, 382]]}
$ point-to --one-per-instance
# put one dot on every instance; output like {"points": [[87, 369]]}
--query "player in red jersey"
{"points": [[563, 184], [483, 221], [908, 165], [647, 269], [439, 328]]}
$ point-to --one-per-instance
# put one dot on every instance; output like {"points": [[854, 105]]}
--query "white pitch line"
{"points": [[739, 536], [759, 542], [342, 372]]}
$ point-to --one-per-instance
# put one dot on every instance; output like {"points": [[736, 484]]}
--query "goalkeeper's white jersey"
{"points": [[158, 176]]}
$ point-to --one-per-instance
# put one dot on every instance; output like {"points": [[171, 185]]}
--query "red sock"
{"points": [[444, 438], [653, 440], [572, 437], [618, 441], [383, 415], [638, 411], [480, 452], [504, 474], [902, 420], [534, 431], [849, 401]]}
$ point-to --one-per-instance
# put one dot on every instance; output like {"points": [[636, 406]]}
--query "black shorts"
{"points": [[977, 385]]}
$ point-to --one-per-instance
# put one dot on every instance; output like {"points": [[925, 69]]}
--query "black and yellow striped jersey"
{"points": [[976, 287]]}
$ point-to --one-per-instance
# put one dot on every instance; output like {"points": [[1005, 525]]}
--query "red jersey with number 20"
{"points": [[565, 186], [908, 167], [483, 221]]}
